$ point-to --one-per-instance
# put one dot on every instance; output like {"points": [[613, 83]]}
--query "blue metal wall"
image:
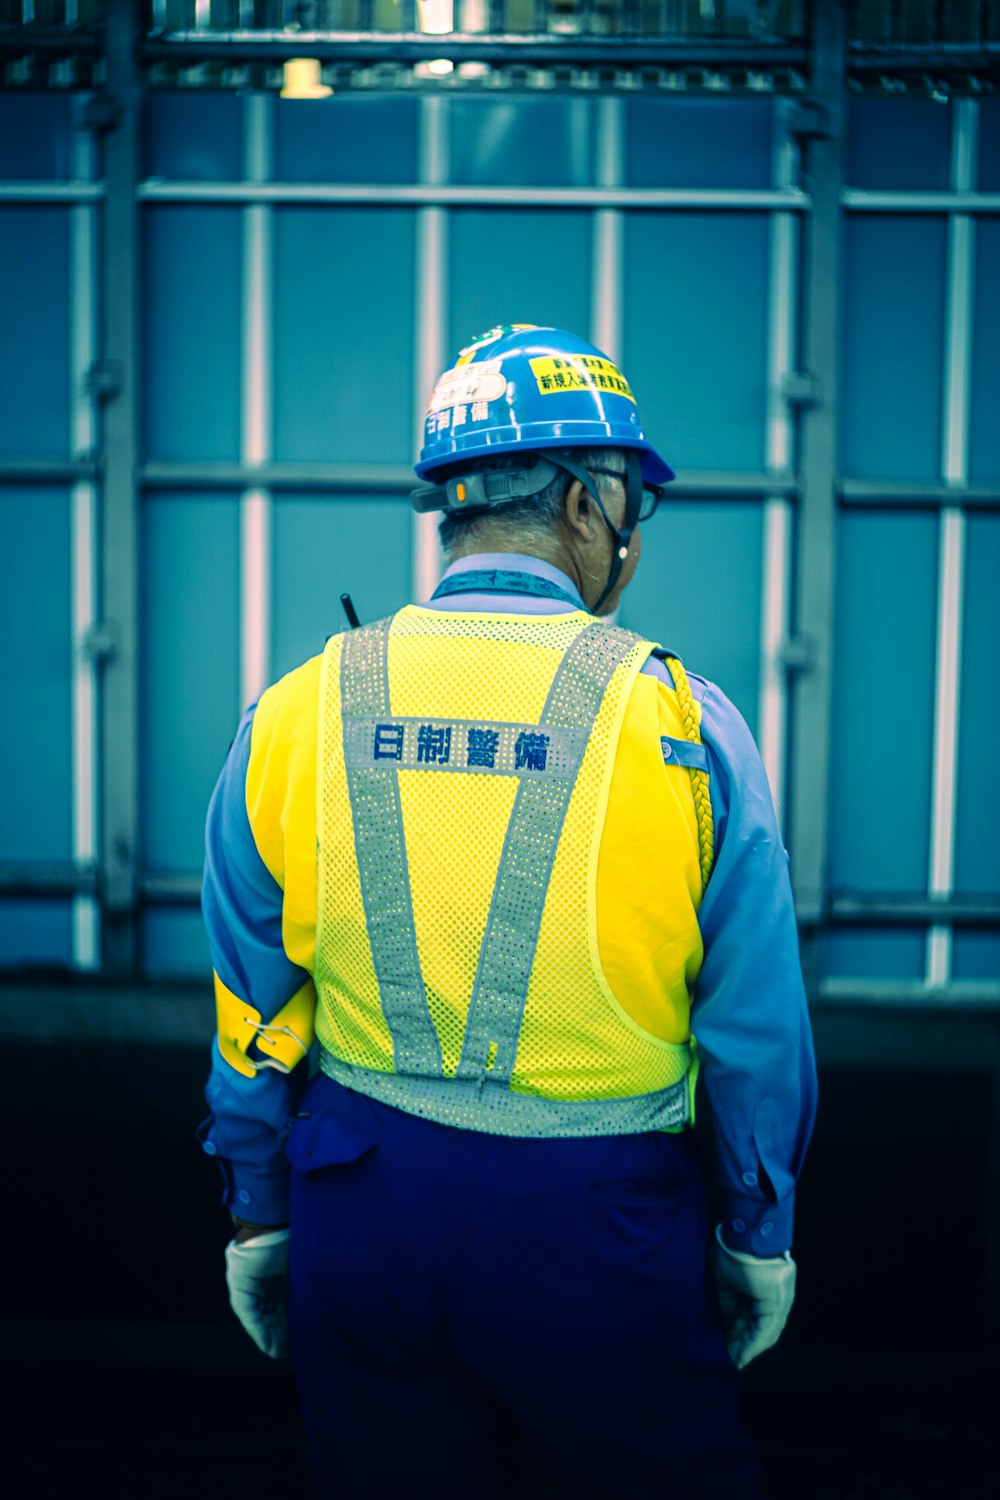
{"points": [[695, 306]]}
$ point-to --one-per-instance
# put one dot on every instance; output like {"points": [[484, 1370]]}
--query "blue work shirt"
{"points": [[748, 1013]]}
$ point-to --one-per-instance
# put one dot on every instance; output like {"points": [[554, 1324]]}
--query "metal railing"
{"points": [[713, 45], [113, 893]]}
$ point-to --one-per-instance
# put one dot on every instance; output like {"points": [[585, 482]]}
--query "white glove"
{"points": [[255, 1275], [755, 1298]]}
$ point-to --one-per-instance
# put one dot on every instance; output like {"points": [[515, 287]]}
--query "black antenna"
{"points": [[350, 611]]}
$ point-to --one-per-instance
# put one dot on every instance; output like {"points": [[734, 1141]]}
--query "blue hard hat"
{"points": [[519, 387]]}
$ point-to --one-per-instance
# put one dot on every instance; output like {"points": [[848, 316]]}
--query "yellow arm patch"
{"points": [[285, 1040], [281, 801]]}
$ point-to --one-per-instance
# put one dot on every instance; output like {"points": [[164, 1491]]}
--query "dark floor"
{"points": [[125, 1376], [143, 1434]]}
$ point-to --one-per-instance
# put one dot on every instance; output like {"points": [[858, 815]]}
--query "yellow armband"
{"points": [[699, 779], [285, 1040]]}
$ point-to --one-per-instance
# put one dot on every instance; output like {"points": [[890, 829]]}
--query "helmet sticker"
{"points": [[468, 383], [490, 337], [581, 372], [495, 398]]}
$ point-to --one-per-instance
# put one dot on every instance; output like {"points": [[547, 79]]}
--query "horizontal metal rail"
{"points": [[162, 190], [47, 471], [855, 910], [396, 479], [51, 192], [170, 890], [57, 41], [934, 57], [158, 190], [855, 200], [891, 201], [48, 880], [899, 495], [865, 60], [53, 880], [957, 995], [332, 477], [528, 50], [732, 484]]}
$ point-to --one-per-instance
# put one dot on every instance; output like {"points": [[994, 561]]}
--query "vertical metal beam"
{"points": [[810, 776], [255, 418], [120, 529], [430, 312], [609, 224], [951, 546], [83, 530], [783, 253]]}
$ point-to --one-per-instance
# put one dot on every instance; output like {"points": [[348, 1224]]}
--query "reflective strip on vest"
{"points": [[381, 850], [451, 1101], [522, 882]]}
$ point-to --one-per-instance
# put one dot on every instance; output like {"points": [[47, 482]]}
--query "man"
{"points": [[524, 876]]}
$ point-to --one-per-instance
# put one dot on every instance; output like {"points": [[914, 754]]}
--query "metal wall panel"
{"points": [[516, 266], [35, 675], [36, 933], [343, 341], [698, 143], [897, 143], [34, 137], [883, 701], [527, 142], [989, 146], [350, 139], [324, 547], [977, 845], [34, 319], [36, 807], [976, 955], [191, 309], [695, 335], [174, 943], [306, 332], [698, 591], [190, 678], [193, 136], [891, 953], [984, 437], [893, 332]]}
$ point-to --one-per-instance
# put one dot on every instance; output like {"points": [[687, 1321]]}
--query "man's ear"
{"points": [[578, 512]]}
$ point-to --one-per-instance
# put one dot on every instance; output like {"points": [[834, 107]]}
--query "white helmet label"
{"points": [[466, 384]]}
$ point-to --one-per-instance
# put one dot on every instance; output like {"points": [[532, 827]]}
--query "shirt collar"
{"points": [[515, 562]]}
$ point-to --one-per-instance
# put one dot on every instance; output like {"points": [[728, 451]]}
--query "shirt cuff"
{"points": [[757, 1228], [258, 1197]]}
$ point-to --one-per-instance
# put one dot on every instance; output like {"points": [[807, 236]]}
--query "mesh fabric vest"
{"points": [[464, 768]]}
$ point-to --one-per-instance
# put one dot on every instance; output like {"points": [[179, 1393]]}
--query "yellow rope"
{"points": [[699, 779]]}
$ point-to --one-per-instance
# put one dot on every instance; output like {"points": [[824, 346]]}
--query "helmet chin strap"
{"points": [[633, 500]]}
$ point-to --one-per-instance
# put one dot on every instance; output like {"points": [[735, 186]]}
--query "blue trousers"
{"points": [[473, 1316]]}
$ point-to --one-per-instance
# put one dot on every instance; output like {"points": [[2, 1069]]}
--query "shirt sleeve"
{"points": [[242, 908], [749, 1013]]}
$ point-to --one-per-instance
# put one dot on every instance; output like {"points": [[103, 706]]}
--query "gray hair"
{"points": [[532, 519]]}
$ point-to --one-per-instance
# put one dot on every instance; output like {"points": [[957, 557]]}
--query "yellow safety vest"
{"points": [[480, 778]]}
